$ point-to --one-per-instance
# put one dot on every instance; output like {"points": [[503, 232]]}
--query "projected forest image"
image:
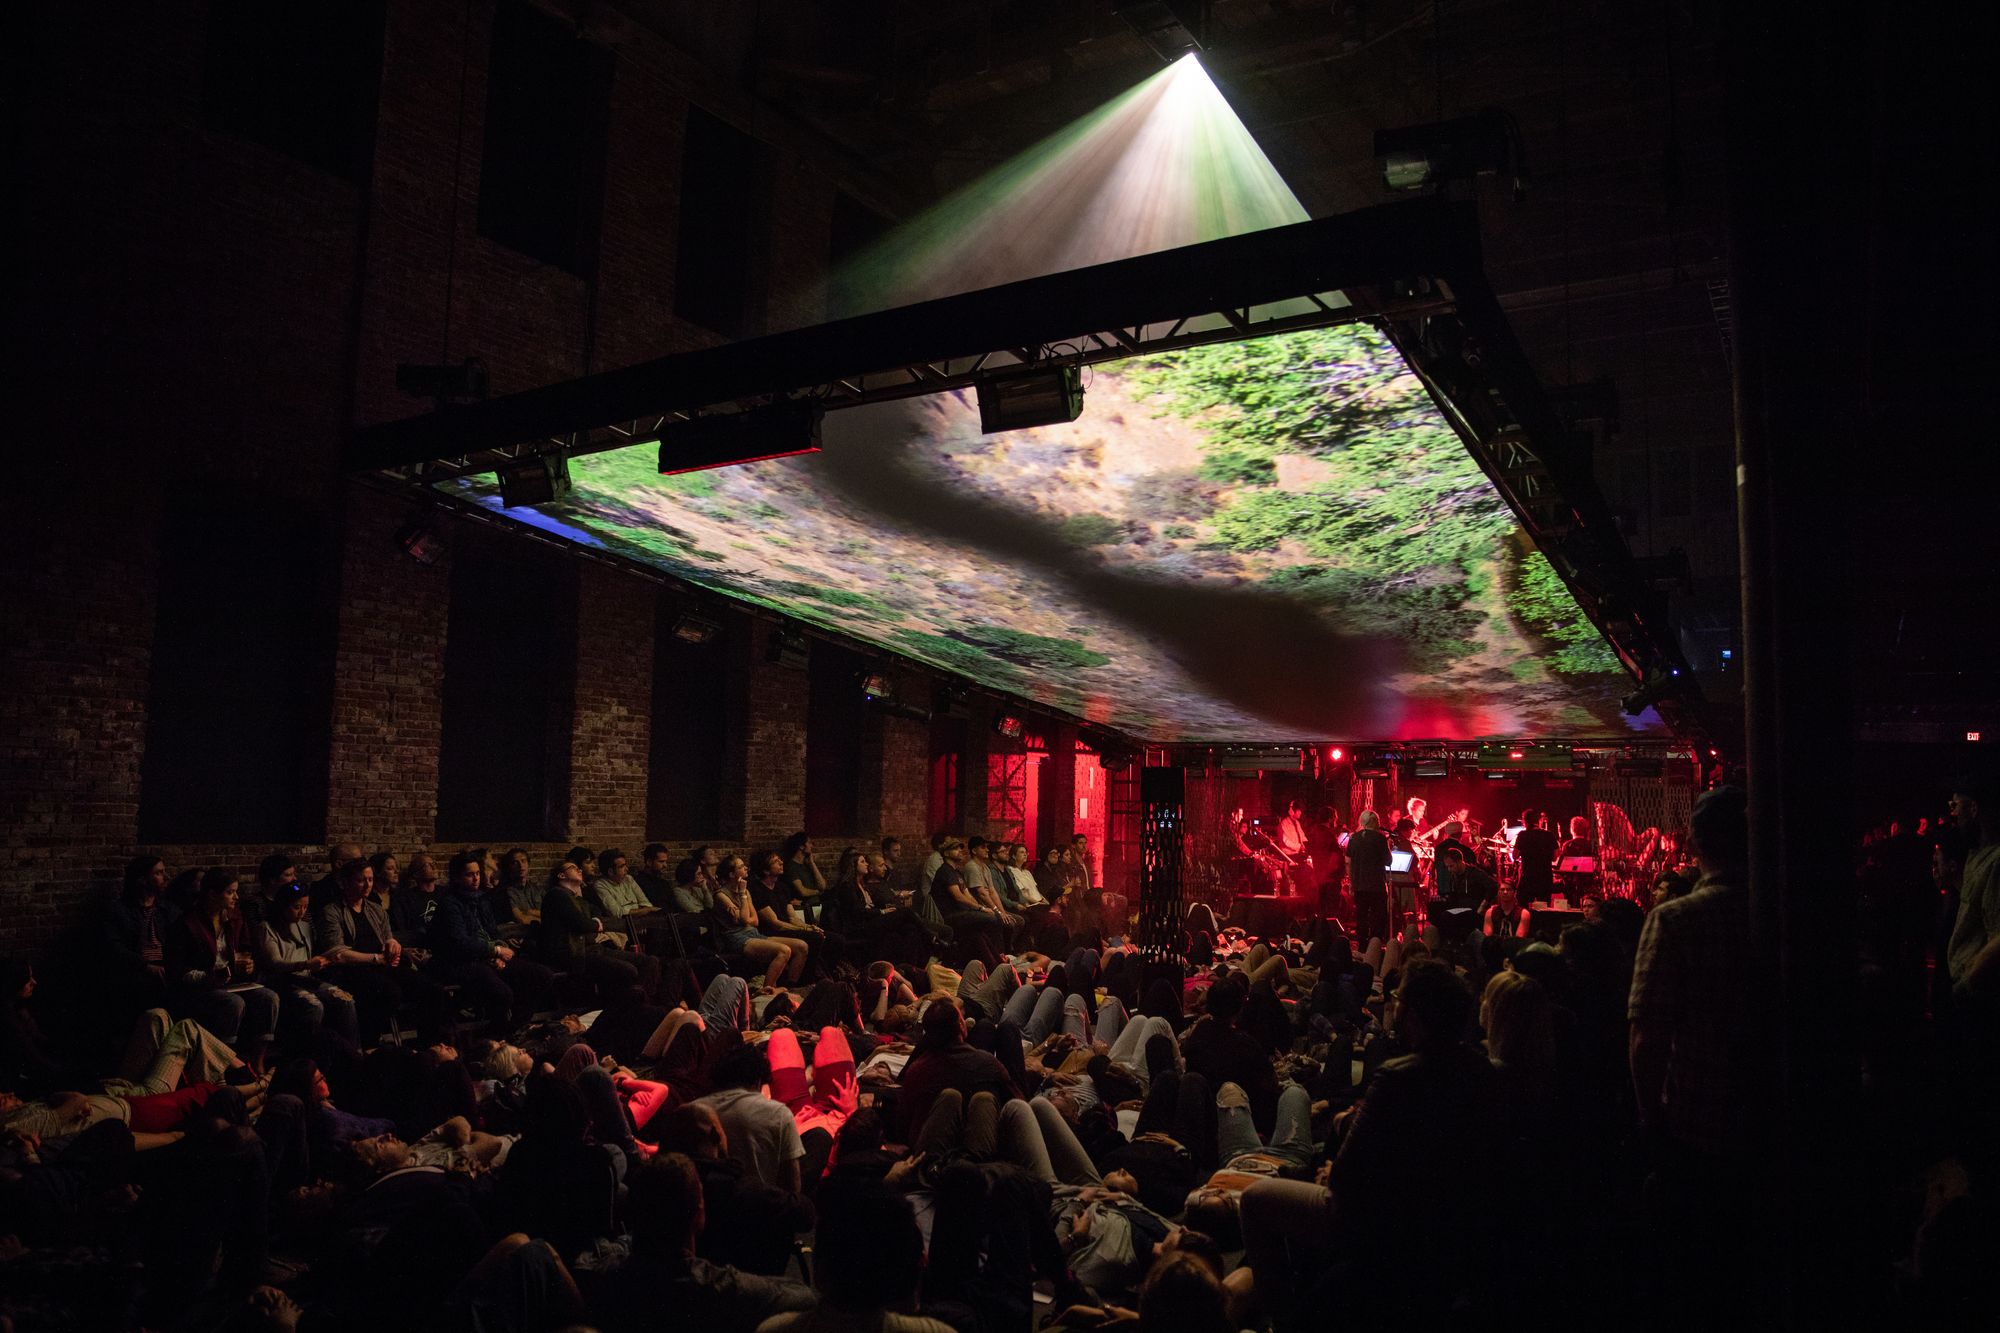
{"points": [[1275, 539]]}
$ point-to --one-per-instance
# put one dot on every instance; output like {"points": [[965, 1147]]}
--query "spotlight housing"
{"points": [[788, 648], [781, 430], [1172, 28], [1010, 726], [422, 542], [1659, 685], [692, 628], [1418, 157], [878, 688], [536, 479], [1047, 396]]}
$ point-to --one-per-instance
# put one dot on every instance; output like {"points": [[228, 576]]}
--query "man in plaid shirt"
{"points": [[1689, 1006], [1692, 1064]]}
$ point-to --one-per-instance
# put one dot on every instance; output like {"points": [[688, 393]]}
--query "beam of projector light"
{"points": [[1165, 164]]}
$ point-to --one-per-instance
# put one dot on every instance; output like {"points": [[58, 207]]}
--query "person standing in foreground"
{"points": [[1690, 1053]]}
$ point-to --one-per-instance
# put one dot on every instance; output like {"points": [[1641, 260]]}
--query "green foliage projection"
{"points": [[1397, 514], [1539, 598], [1092, 530]]}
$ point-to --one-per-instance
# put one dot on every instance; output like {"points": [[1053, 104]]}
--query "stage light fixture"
{"points": [[788, 648], [1010, 726], [877, 687], [1418, 157], [1336, 754], [1659, 685], [691, 628], [1172, 28], [1048, 396], [422, 542], [1373, 763], [536, 479], [780, 430]]}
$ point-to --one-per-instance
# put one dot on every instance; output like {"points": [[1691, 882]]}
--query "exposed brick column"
{"points": [[766, 794], [894, 770], [973, 781], [388, 693], [611, 730], [1057, 820]]}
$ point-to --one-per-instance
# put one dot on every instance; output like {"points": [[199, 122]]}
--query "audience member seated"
{"points": [[290, 965], [134, 935], [211, 969], [781, 909], [569, 941], [735, 917], [366, 960], [620, 901], [491, 978], [976, 929], [655, 876]]}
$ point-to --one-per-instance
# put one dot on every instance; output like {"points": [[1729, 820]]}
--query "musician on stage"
{"points": [[1292, 834], [1414, 810], [1535, 851], [1463, 887], [1579, 842], [1258, 869], [1367, 871]]}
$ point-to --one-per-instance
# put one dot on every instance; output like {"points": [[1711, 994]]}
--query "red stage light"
{"points": [[1336, 754], [1513, 754]]}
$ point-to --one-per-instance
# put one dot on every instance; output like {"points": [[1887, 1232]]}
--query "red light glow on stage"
{"points": [[1336, 754], [1513, 754]]}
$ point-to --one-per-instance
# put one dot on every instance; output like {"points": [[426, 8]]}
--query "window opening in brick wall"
{"points": [[241, 681], [541, 176], [686, 768], [507, 668], [724, 215], [947, 796], [834, 721], [302, 77]]}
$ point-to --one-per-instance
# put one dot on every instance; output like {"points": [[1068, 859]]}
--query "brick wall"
{"points": [[611, 726], [200, 309], [766, 797], [388, 691]]}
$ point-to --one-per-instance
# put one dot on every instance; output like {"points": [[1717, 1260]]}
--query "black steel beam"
{"points": [[1375, 246]]}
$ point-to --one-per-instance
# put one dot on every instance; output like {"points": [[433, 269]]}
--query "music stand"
{"points": [[1576, 865]]}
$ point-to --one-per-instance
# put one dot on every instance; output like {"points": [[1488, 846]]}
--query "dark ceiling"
{"points": [[1610, 265]]}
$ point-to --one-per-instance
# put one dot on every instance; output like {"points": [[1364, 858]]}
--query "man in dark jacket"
{"points": [[463, 952], [1367, 874], [1535, 853], [367, 959], [569, 942]]}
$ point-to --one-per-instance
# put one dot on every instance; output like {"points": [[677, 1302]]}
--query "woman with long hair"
{"points": [[735, 918], [210, 968]]}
